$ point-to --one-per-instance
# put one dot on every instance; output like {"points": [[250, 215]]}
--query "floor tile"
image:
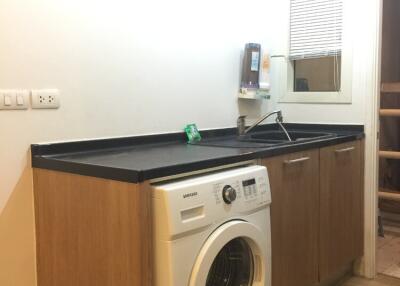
{"points": [[379, 281], [388, 252]]}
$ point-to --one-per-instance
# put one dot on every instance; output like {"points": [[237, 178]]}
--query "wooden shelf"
{"points": [[390, 112], [390, 87], [387, 194], [389, 154]]}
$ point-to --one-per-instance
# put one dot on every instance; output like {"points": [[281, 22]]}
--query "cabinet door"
{"points": [[341, 203], [294, 181]]}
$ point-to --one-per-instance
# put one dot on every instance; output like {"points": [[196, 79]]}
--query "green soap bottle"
{"points": [[192, 133]]}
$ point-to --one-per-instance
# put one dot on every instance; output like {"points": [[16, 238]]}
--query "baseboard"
{"points": [[342, 276]]}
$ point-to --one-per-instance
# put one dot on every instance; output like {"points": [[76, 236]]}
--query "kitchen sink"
{"points": [[266, 139], [280, 136], [238, 142]]}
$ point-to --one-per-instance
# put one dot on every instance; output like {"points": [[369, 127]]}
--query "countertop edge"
{"points": [[110, 173]]}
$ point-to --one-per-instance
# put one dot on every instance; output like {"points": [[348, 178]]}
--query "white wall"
{"points": [[124, 67]]}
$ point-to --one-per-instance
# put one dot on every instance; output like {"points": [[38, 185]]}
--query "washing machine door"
{"points": [[234, 255]]}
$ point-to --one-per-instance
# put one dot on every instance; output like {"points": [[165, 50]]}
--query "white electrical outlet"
{"points": [[14, 99], [45, 99]]}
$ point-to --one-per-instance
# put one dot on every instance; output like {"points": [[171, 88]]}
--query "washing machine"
{"points": [[213, 229]]}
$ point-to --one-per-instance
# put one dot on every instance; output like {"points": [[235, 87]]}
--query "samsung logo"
{"points": [[188, 195]]}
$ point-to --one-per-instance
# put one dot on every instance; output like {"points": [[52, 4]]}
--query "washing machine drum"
{"points": [[234, 255], [233, 265]]}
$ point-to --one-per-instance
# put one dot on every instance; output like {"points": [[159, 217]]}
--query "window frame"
{"points": [[288, 95]]}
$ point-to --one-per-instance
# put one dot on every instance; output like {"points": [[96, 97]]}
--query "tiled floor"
{"points": [[388, 256], [380, 281]]}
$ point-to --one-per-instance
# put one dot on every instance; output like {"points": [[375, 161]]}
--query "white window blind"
{"points": [[315, 28]]}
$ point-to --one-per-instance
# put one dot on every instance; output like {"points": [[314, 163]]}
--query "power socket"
{"points": [[45, 99]]}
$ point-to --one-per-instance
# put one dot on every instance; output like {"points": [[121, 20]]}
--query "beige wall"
{"points": [[17, 264]]}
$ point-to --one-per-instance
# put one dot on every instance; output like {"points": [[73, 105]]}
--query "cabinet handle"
{"points": [[345, 150], [294, 161]]}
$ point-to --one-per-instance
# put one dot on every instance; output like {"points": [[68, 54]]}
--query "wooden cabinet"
{"points": [[316, 213], [91, 231], [294, 218], [341, 205]]}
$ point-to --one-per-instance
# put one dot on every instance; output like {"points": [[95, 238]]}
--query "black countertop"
{"points": [[140, 158]]}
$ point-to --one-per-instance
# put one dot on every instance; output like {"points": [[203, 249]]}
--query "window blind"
{"points": [[315, 28]]}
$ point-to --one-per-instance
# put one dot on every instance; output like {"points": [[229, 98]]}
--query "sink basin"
{"points": [[236, 142], [280, 136], [265, 139]]}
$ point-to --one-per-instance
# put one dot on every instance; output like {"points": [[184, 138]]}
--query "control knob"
{"points": [[228, 194]]}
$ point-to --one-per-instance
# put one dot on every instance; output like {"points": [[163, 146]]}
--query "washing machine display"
{"points": [[249, 189]]}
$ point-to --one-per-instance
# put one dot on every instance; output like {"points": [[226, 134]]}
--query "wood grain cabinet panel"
{"points": [[294, 181], [91, 231], [341, 207]]}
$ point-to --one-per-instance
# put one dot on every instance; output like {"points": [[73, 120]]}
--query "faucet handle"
{"points": [[241, 119], [241, 124], [279, 117]]}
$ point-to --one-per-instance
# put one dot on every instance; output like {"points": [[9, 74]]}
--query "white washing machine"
{"points": [[213, 229]]}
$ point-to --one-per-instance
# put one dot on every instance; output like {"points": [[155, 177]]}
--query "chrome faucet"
{"points": [[241, 123]]}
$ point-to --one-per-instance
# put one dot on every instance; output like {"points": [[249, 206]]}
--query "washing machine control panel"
{"points": [[242, 193], [203, 200]]}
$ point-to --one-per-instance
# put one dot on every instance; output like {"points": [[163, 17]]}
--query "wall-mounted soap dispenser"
{"points": [[251, 66], [255, 73]]}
